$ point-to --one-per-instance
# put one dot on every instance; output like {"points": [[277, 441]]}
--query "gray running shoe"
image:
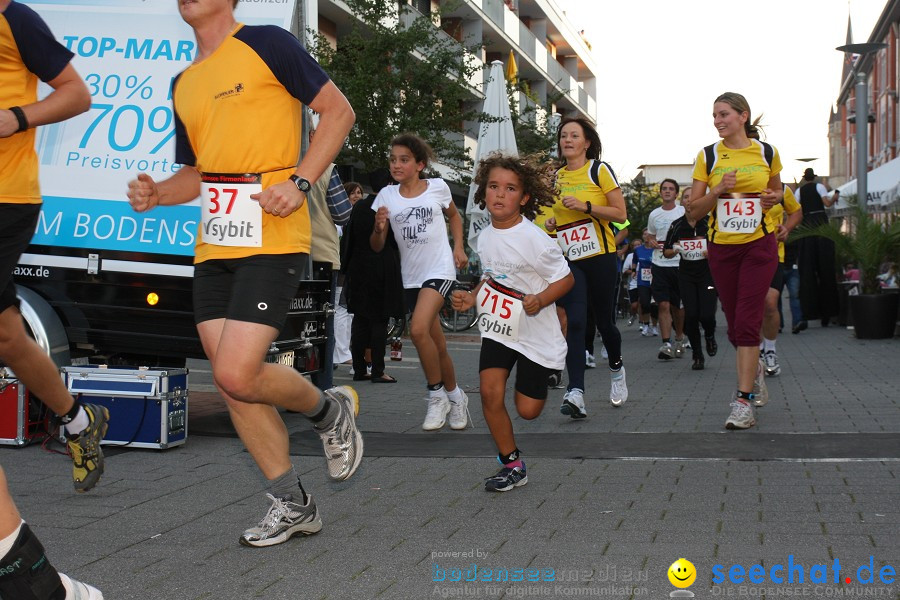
{"points": [[284, 519], [343, 443], [679, 348], [760, 391], [741, 416], [773, 369]]}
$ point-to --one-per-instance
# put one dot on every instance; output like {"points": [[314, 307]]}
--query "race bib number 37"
{"points": [[578, 239], [499, 310], [738, 213], [230, 216]]}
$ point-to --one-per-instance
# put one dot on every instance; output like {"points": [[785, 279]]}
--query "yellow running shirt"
{"points": [[579, 235], [775, 216], [753, 174], [239, 111]]}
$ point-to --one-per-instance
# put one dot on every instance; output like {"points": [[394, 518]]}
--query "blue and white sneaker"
{"points": [[506, 479]]}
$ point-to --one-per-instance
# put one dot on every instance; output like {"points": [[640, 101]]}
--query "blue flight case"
{"points": [[148, 407]]}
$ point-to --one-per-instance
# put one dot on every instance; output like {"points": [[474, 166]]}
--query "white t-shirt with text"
{"points": [[526, 259], [658, 225], [421, 232]]}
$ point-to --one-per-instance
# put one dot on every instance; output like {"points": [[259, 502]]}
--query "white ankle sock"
{"points": [[79, 423], [455, 395], [768, 345], [441, 391], [6, 543]]}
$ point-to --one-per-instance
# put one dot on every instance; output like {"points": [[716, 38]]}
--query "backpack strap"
{"points": [[594, 172], [768, 153], [710, 154]]}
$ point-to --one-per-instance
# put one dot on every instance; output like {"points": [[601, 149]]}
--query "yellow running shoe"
{"points": [[87, 457]]}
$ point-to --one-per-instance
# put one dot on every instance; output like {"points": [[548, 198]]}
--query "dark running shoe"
{"points": [[711, 346], [87, 457], [506, 479]]}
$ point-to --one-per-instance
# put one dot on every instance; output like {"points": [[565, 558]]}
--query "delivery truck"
{"points": [[101, 283]]}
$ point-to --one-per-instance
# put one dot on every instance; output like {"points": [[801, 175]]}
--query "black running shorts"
{"points": [[531, 378], [256, 289]]}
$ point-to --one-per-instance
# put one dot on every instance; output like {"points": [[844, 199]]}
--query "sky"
{"points": [[663, 63]]}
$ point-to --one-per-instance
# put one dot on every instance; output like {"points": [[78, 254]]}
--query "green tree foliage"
{"points": [[531, 120], [401, 74], [640, 200]]}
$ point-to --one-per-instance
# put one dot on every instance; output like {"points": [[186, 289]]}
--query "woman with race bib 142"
{"points": [[589, 201], [736, 180]]}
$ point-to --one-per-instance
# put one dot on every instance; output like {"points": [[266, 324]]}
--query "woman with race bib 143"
{"points": [[736, 180], [589, 201]]}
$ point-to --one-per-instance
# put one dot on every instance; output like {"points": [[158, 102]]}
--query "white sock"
{"points": [[768, 345], [455, 395], [6, 543], [79, 423]]}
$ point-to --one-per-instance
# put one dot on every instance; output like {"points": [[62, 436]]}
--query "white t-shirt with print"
{"points": [[526, 259], [658, 224], [628, 265], [421, 233]]}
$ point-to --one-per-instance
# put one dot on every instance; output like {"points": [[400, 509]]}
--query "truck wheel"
{"points": [[43, 324]]}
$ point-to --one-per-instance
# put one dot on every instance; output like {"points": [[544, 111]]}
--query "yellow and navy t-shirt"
{"points": [[28, 52], [240, 111], [578, 183], [753, 174], [775, 216]]}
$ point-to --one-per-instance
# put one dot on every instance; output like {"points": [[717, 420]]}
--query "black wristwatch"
{"points": [[587, 208], [302, 184]]}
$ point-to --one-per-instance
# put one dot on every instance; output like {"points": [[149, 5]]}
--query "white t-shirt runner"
{"points": [[524, 259], [421, 233], [658, 224]]}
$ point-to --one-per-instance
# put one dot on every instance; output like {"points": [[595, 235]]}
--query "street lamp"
{"points": [[862, 116]]}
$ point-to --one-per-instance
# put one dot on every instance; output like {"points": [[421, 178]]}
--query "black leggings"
{"points": [[366, 332], [699, 299], [595, 281]]}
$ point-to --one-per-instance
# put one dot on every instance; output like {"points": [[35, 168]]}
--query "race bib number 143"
{"points": [[738, 213]]}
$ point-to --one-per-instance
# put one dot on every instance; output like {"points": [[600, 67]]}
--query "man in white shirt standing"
{"points": [[665, 272]]}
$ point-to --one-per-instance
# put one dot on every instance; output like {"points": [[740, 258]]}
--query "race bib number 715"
{"points": [[499, 309]]}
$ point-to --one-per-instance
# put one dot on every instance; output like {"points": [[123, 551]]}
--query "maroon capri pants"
{"points": [[742, 274]]}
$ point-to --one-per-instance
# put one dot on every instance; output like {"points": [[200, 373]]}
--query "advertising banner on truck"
{"points": [[128, 52]]}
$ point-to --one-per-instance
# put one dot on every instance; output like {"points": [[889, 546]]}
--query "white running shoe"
{"points": [[741, 416], [760, 391], [665, 352], [603, 353], [436, 416], [573, 404], [618, 389], [679, 348], [79, 591], [459, 413], [654, 331], [773, 369], [645, 330], [589, 362]]}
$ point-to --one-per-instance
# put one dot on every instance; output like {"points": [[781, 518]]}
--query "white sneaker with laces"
{"points": [[75, 590], [665, 352], [760, 391], [459, 413], [603, 353], [573, 404], [645, 330], [589, 361], [654, 331], [618, 389], [741, 416], [773, 369], [436, 415], [679, 348]]}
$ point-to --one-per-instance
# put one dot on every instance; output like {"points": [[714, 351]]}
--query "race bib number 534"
{"points": [[230, 216], [499, 310], [738, 213]]}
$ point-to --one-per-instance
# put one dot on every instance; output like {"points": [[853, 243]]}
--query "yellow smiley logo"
{"points": [[682, 573]]}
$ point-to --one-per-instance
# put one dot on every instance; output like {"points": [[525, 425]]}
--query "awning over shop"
{"points": [[883, 190]]}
